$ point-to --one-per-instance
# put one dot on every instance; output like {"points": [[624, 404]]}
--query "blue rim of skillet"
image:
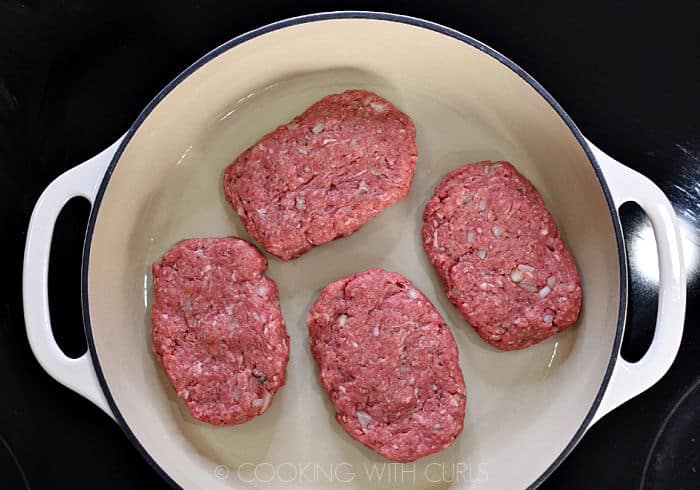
{"points": [[403, 19]]}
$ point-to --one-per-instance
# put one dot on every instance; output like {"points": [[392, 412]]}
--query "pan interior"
{"points": [[523, 407]]}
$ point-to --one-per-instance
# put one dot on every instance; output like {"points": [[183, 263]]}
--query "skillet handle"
{"points": [[629, 379], [77, 374]]}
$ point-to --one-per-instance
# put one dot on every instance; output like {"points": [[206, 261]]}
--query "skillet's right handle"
{"points": [[77, 374], [629, 379]]}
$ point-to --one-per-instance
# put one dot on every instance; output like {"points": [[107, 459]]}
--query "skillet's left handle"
{"points": [[629, 379], [77, 374]]}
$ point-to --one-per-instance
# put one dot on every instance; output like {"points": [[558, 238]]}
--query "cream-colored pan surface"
{"points": [[523, 407]]}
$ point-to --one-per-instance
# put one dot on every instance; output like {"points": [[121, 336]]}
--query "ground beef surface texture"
{"points": [[500, 256], [389, 364], [324, 174], [217, 328]]}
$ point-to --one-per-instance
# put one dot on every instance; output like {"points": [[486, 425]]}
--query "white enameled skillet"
{"points": [[161, 182]]}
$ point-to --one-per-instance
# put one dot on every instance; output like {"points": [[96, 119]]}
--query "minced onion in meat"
{"points": [[526, 268], [516, 275], [263, 402], [363, 418], [267, 399]]}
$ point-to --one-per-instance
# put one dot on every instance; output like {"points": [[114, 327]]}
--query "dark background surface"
{"points": [[74, 75]]}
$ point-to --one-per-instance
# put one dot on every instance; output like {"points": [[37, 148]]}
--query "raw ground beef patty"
{"points": [[389, 364], [218, 329], [324, 174], [502, 262]]}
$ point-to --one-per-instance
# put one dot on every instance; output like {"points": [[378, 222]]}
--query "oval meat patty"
{"points": [[502, 262], [324, 174], [218, 329], [389, 364]]}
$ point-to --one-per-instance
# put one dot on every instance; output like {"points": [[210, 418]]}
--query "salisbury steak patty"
{"points": [[324, 174], [389, 364], [218, 329], [500, 256]]}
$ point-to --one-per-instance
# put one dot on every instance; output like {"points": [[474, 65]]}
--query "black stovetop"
{"points": [[75, 74]]}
